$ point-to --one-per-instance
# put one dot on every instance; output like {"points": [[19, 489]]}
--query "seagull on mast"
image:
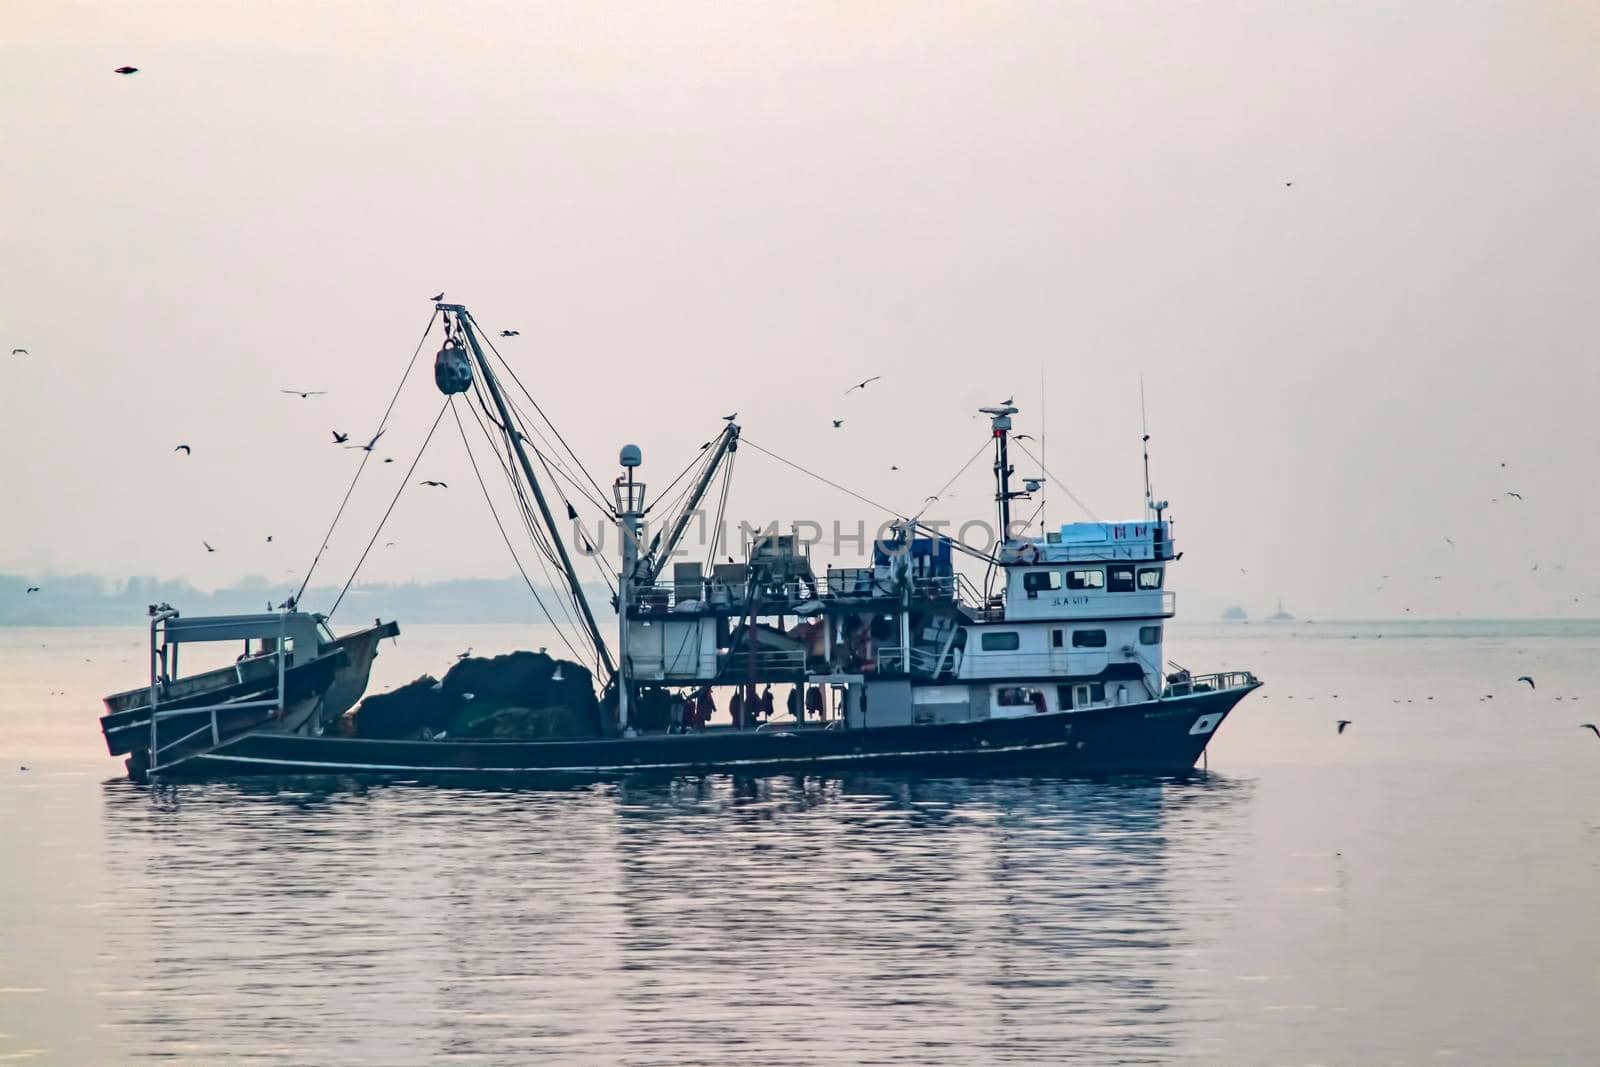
{"points": [[437, 296]]}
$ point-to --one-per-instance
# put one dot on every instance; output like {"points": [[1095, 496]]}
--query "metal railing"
{"points": [[1185, 684], [770, 659], [157, 716], [1139, 604], [892, 659], [836, 587]]}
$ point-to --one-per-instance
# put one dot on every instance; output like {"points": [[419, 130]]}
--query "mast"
{"points": [[1000, 423], [490, 382], [629, 496], [727, 442]]}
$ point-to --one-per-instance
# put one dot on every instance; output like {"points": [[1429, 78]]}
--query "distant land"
{"points": [[93, 600]]}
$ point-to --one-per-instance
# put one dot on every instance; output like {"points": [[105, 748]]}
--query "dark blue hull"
{"points": [[1156, 737]]}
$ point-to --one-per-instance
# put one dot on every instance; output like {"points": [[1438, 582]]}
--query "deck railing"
{"points": [[1185, 684]]}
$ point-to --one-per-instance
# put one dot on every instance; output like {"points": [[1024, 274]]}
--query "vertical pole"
{"points": [[493, 385], [1003, 471], [155, 688], [282, 665], [630, 561], [905, 605]]}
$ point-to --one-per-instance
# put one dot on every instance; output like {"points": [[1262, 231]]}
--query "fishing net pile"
{"points": [[523, 696]]}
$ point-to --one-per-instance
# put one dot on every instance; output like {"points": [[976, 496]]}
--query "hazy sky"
{"points": [[694, 208]]}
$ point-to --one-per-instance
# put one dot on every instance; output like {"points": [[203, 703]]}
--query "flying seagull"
{"points": [[1525, 678], [388, 459], [185, 449], [19, 351], [388, 544], [340, 438], [126, 70], [269, 539], [1287, 185], [441, 485], [33, 589], [510, 333], [1342, 724], [1022, 437], [1515, 494], [1449, 542], [303, 393], [837, 423], [862, 385], [1590, 726], [368, 446], [437, 296], [893, 467], [208, 546]]}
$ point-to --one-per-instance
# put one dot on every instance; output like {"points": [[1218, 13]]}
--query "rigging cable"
{"points": [[536, 534], [542, 552], [461, 428], [1087, 510], [722, 507], [705, 453], [577, 462], [365, 456], [955, 541], [825, 481], [407, 481], [981, 450]]}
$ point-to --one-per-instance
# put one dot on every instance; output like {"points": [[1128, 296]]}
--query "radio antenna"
{"points": [[1042, 426], [1144, 441]]}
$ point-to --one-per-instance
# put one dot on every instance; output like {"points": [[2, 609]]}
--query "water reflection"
{"points": [[728, 919]]}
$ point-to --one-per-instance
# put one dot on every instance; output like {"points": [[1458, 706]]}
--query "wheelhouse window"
{"points": [[1093, 578], [1035, 582], [1004, 641], [1058, 638], [1149, 577], [1088, 639], [1021, 696], [1149, 635], [1081, 695], [1121, 580]]}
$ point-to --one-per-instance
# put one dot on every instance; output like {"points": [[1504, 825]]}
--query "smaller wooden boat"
{"points": [[295, 678]]}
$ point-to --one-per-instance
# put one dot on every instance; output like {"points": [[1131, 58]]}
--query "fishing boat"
{"points": [[1046, 653], [293, 676]]}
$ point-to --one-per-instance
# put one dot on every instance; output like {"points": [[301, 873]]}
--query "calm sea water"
{"points": [[1424, 888]]}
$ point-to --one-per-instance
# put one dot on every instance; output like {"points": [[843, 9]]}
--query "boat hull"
{"points": [[1159, 737]]}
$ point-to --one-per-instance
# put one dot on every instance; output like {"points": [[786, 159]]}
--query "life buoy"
{"points": [[1028, 553]]}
